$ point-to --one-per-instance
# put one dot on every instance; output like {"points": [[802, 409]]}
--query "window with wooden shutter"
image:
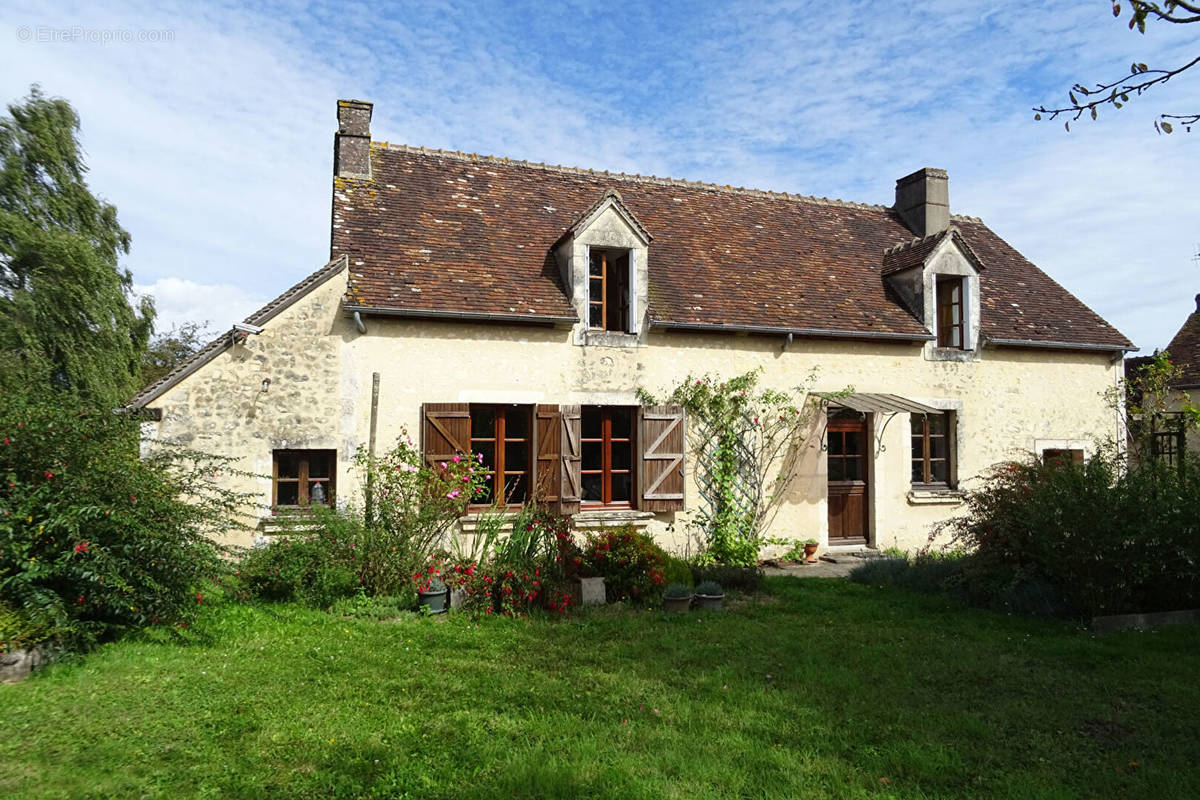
{"points": [[445, 431], [661, 432], [607, 465], [501, 435]]}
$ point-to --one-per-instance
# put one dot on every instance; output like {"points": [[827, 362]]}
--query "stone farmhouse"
{"points": [[515, 309]]}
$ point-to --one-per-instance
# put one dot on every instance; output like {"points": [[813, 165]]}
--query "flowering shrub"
{"points": [[94, 539], [519, 572], [631, 563]]}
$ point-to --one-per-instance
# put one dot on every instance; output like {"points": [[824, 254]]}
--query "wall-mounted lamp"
{"points": [[266, 384]]}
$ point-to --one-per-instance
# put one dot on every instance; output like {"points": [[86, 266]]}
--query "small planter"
{"points": [[709, 596], [810, 553], [435, 602], [677, 605]]}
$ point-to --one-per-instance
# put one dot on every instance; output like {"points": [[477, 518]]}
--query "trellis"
{"points": [[742, 498]]}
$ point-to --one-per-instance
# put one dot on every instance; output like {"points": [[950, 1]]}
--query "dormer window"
{"points": [[950, 312], [608, 290]]}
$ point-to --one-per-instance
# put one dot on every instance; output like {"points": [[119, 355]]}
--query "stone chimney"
{"points": [[352, 144], [923, 201]]}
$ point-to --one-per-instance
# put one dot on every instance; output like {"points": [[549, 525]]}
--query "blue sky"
{"points": [[215, 141]]}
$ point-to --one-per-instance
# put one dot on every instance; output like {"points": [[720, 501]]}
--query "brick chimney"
{"points": [[352, 144], [923, 201]]}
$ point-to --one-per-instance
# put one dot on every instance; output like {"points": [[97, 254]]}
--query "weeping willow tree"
{"points": [[68, 318]]}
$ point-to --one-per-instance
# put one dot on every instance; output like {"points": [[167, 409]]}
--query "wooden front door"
{"points": [[847, 460]]}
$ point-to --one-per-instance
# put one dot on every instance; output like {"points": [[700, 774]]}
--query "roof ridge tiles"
{"points": [[651, 179]]}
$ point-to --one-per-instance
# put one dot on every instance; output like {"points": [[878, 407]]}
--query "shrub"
{"points": [[94, 538], [630, 562], [676, 570], [746, 579], [1093, 538], [308, 569], [930, 572]]}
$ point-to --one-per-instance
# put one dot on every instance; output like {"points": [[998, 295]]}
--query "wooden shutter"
{"points": [[661, 433], [548, 445], [634, 317], [569, 459], [445, 431]]}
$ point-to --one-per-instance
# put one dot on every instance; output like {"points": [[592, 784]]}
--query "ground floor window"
{"points": [[502, 434], [301, 477], [932, 436], [607, 455], [1057, 456]]}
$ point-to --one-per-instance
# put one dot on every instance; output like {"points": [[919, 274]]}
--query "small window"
{"points": [[932, 439], [302, 477], [607, 455], [1061, 457], [1167, 446], [503, 435], [950, 327], [608, 290]]}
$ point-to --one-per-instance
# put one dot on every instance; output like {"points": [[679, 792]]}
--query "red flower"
{"points": [[199, 597], [49, 474], [81, 599], [81, 547]]}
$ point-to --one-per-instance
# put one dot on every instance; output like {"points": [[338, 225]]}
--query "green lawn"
{"points": [[815, 688]]}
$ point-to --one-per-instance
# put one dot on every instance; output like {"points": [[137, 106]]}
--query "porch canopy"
{"points": [[867, 402]]}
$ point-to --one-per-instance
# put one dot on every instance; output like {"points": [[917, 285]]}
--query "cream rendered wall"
{"points": [[321, 368]]}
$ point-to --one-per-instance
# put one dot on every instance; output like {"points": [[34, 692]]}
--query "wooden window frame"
{"points": [[499, 441], [920, 428], [606, 471], [602, 286], [303, 479], [944, 287]]}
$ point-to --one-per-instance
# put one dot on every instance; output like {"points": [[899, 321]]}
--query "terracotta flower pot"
{"points": [[810, 553]]}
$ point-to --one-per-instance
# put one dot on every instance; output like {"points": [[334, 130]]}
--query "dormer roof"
{"points": [[610, 199], [915, 252]]}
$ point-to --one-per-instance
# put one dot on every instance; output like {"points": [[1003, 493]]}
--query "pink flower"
{"points": [[452, 495], [81, 547], [49, 474], [457, 459]]}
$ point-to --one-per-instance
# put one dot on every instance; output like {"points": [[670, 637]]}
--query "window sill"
{"points": [[935, 497], [602, 338], [952, 354], [612, 518]]}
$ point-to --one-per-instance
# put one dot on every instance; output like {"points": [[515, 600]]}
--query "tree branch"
{"points": [[1117, 93]]}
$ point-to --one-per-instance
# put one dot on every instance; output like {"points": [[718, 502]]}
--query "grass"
{"points": [[816, 688]]}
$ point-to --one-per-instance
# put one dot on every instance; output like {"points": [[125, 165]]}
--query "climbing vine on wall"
{"points": [[747, 441]]}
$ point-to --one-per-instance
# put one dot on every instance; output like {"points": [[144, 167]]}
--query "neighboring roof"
{"points": [[225, 340], [1184, 350], [448, 233]]}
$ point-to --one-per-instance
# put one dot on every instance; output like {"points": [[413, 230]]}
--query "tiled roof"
{"points": [[446, 232], [1184, 349], [225, 340]]}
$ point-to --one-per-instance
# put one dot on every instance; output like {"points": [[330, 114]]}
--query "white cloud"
{"points": [[215, 306]]}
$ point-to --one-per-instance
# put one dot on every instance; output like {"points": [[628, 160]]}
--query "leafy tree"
{"points": [[67, 313], [168, 350], [1088, 100]]}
